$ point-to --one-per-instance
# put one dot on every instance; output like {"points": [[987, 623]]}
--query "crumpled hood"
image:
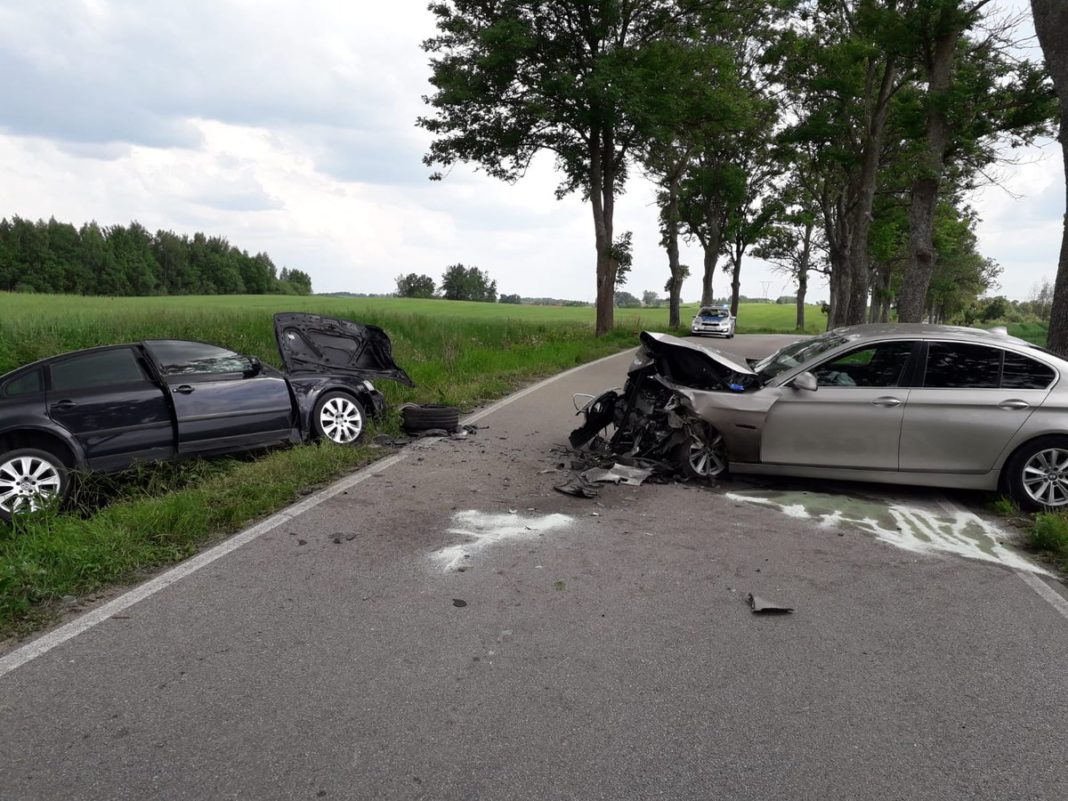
{"points": [[309, 343], [667, 346]]}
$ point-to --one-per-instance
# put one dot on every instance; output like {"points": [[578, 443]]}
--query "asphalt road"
{"points": [[452, 628]]}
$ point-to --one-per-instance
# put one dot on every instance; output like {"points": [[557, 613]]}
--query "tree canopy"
{"points": [[128, 260]]}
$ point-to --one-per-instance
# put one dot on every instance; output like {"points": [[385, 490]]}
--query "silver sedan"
{"points": [[939, 406]]}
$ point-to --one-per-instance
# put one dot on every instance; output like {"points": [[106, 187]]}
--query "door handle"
{"points": [[184, 389], [1014, 404], [64, 404], [887, 401]]}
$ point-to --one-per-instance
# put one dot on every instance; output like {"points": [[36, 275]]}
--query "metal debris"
{"points": [[617, 474], [762, 606], [578, 487]]}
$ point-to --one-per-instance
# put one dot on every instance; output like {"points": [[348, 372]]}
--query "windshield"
{"points": [[714, 313], [796, 354]]}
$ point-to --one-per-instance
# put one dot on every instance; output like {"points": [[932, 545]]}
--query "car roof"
{"points": [[928, 331]]}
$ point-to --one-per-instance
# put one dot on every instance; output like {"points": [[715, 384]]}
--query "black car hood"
{"points": [[309, 343]]}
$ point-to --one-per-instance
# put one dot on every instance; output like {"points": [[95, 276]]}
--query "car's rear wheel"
{"points": [[30, 480], [704, 455], [339, 417], [1038, 474]]}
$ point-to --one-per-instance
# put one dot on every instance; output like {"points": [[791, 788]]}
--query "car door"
{"points": [[223, 401], [971, 401], [853, 420], [108, 401]]}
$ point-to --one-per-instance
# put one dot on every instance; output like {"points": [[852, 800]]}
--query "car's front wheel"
{"points": [[339, 417], [1037, 475], [30, 479], [704, 455]]}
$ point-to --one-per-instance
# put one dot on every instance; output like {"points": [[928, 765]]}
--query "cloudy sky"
{"points": [[289, 128]]}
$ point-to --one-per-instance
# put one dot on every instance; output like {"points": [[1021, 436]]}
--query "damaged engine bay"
{"points": [[651, 421]]}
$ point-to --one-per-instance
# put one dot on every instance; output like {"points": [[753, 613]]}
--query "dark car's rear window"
{"points": [[100, 369], [25, 384]]}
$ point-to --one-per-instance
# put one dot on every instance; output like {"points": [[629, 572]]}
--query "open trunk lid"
{"points": [[309, 343]]}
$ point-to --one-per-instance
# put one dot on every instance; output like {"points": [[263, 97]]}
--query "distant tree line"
{"points": [[118, 260], [457, 283]]}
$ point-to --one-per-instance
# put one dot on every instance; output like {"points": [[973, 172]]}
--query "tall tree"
{"points": [[842, 66], [583, 79], [972, 96], [1051, 25]]}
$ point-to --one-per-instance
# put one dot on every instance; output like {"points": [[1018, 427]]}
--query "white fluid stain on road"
{"points": [[484, 529], [911, 528]]}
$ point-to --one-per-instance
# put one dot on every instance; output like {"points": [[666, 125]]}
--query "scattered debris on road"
{"points": [[578, 487], [617, 474], [762, 606], [459, 602]]}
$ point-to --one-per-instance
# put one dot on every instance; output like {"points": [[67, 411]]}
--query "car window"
{"points": [[178, 357], [26, 384], [1020, 372], [883, 365], [99, 369], [956, 365], [797, 353]]}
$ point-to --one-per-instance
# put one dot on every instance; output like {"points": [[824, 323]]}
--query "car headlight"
{"points": [[369, 386]]}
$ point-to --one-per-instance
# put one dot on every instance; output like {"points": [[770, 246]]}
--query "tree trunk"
{"points": [[840, 283], [913, 292], [736, 281], [802, 274], [671, 242], [602, 197], [855, 295], [1051, 25], [711, 247]]}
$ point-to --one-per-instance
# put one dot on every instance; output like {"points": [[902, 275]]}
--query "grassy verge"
{"points": [[1049, 536]]}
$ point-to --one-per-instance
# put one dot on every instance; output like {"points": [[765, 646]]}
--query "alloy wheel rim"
{"points": [[708, 459], [27, 483], [341, 421], [1045, 477]]}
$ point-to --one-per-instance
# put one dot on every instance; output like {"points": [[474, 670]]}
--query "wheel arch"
{"points": [[1007, 462], [60, 446]]}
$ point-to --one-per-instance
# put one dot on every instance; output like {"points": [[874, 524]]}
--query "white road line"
{"points": [[1055, 599], [1046, 592], [47, 642]]}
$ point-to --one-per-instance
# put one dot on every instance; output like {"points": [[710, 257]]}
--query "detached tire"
{"points": [[430, 416], [31, 479], [1037, 474], [704, 456], [339, 417]]}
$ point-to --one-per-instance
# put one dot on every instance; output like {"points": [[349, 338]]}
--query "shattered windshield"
{"points": [[796, 354]]}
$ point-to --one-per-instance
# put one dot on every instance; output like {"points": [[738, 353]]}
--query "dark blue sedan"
{"points": [[105, 409]]}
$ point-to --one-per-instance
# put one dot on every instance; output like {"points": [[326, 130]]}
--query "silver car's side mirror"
{"points": [[805, 381]]}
